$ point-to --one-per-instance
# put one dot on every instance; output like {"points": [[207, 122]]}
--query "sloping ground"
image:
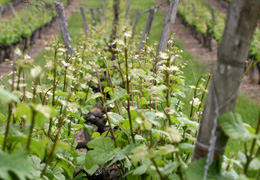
{"points": [[207, 58], [46, 38], [17, 7]]}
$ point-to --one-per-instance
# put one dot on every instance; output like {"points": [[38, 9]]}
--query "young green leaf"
{"points": [[186, 147], [143, 168], [157, 90], [140, 154], [232, 125], [6, 97], [23, 111], [167, 149], [185, 121], [115, 118], [103, 149], [173, 135], [16, 163], [36, 72]]}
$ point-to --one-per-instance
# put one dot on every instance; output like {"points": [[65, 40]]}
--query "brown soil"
{"points": [[207, 58], [40, 44], [17, 7]]}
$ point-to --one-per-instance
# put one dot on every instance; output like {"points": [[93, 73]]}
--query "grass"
{"points": [[245, 106]]}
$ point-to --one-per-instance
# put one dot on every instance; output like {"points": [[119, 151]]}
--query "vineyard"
{"points": [[106, 89]]}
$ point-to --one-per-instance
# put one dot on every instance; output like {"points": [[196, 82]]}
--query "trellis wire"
{"points": [[212, 141]]}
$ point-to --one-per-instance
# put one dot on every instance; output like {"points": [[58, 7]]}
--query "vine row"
{"points": [[23, 27], [208, 22]]}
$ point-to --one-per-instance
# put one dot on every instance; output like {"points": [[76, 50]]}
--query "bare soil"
{"points": [[207, 58], [40, 44], [17, 7]]}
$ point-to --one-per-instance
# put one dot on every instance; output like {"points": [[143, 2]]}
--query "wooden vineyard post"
{"points": [[103, 12], [169, 20], [194, 31], [147, 28], [2, 8], [64, 27], [105, 3], [116, 8], [227, 74], [193, 9], [127, 12], [220, 4], [26, 14], [136, 22], [99, 16], [84, 21], [133, 17], [112, 46], [93, 17], [213, 15], [184, 5], [12, 8]]}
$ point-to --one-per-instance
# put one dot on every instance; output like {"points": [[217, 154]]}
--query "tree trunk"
{"points": [[233, 52]]}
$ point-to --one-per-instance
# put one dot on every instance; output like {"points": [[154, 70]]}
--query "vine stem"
{"points": [[112, 85], [3, 83], [157, 169], [249, 157], [203, 94], [8, 124], [121, 72], [9, 109], [33, 116], [19, 78], [194, 96], [128, 92], [61, 121], [105, 109], [86, 98], [202, 97], [24, 99], [54, 88], [167, 74], [31, 129], [54, 145], [137, 99]]}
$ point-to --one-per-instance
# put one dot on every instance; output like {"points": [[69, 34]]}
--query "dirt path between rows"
{"points": [[207, 58], [40, 44], [17, 7]]}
